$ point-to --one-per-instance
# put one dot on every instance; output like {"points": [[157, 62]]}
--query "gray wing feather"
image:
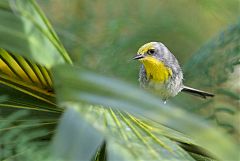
{"points": [[143, 77]]}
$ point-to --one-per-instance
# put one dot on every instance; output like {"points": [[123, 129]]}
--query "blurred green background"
{"points": [[103, 35]]}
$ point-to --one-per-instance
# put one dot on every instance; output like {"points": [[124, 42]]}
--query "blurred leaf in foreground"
{"points": [[124, 133], [75, 139], [75, 86]]}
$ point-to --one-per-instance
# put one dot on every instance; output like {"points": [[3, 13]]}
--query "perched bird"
{"points": [[161, 72]]}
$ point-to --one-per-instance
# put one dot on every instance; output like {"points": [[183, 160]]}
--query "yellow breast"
{"points": [[156, 70]]}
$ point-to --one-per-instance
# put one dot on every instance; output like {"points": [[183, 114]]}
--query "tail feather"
{"points": [[197, 92]]}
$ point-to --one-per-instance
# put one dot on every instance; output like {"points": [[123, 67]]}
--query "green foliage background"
{"points": [[103, 35]]}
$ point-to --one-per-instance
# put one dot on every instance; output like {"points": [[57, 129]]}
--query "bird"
{"points": [[160, 72]]}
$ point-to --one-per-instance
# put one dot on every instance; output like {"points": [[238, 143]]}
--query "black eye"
{"points": [[151, 51]]}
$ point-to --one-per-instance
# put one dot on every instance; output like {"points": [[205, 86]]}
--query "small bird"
{"points": [[161, 72]]}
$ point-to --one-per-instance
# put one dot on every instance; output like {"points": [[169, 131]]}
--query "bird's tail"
{"points": [[197, 92]]}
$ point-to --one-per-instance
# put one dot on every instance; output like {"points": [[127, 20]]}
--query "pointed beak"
{"points": [[138, 56]]}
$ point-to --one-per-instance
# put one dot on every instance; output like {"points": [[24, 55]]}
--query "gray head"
{"points": [[153, 49]]}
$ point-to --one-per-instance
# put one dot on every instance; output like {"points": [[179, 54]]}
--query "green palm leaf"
{"points": [[28, 85], [26, 76], [81, 86], [25, 30]]}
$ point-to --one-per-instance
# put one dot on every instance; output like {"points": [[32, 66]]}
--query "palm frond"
{"points": [[81, 86], [26, 76], [122, 130], [22, 139], [29, 33]]}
